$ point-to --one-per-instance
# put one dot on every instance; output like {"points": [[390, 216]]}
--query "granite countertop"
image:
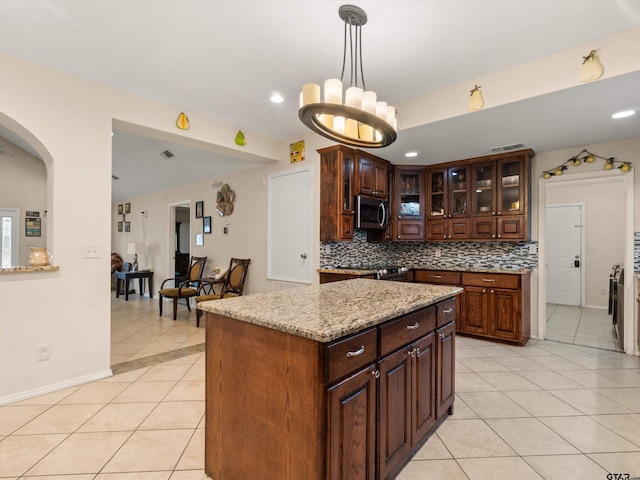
{"points": [[328, 311], [367, 271], [28, 269]]}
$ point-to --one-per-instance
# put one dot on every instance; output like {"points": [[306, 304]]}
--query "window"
{"points": [[8, 237]]}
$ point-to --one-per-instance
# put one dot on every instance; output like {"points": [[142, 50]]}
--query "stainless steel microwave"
{"points": [[371, 213]]}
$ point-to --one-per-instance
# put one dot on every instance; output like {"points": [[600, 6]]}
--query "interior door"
{"points": [[564, 254], [289, 227], [8, 237]]}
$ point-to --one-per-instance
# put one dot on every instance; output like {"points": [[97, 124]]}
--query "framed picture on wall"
{"points": [[199, 239], [206, 224], [119, 226], [199, 209], [127, 226], [127, 208], [32, 227], [120, 209]]}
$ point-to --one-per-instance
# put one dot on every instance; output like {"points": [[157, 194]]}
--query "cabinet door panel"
{"points": [[423, 387], [505, 311], [459, 229], [512, 228], [381, 180], [395, 411], [352, 427], [410, 230], [445, 370], [436, 229], [475, 311], [483, 228]]}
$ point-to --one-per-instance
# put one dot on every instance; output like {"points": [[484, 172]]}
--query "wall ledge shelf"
{"points": [[29, 269]]}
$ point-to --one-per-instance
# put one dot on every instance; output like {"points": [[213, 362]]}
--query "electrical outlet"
{"points": [[533, 248], [92, 251], [44, 352], [438, 251], [327, 249]]}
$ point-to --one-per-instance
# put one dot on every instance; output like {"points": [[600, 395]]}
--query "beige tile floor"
{"points": [[589, 327], [546, 410]]}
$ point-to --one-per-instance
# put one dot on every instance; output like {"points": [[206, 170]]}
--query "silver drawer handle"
{"points": [[413, 327], [436, 276], [360, 351], [448, 310], [488, 280]]}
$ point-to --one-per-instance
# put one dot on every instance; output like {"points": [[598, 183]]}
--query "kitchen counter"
{"points": [[366, 271], [29, 269], [329, 311]]}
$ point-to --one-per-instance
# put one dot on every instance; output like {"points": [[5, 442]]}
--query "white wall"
{"points": [[68, 121], [24, 186], [603, 232]]}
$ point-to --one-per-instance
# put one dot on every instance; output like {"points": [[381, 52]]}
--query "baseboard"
{"points": [[596, 307], [55, 387]]}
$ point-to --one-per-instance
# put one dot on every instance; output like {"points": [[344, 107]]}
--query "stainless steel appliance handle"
{"points": [[381, 208]]}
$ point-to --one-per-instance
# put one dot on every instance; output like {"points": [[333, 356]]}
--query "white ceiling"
{"points": [[223, 59]]}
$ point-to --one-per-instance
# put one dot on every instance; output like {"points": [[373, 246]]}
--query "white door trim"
{"points": [[15, 236], [582, 206], [630, 344]]}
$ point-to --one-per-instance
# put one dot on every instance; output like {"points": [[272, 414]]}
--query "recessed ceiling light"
{"points": [[623, 114], [277, 98], [411, 154]]}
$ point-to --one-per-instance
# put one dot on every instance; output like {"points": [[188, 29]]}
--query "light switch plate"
{"points": [[92, 250]]}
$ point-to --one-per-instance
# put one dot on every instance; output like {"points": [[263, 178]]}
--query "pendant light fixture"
{"points": [[361, 120]]}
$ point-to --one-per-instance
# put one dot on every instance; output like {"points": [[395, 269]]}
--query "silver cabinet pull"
{"points": [[417, 351], [376, 373], [413, 327], [489, 280], [360, 351], [442, 336], [447, 310], [436, 276], [412, 353]]}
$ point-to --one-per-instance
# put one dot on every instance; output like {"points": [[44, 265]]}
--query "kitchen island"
{"points": [[344, 380]]}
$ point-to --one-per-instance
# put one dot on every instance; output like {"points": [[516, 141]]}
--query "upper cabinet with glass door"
{"points": [[511, 197]]}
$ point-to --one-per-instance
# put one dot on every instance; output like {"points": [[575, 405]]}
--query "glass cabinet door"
{"points": [[482, 189], [347, 185], [458, 181], [510, 197], [409, 192], [436, 193]]}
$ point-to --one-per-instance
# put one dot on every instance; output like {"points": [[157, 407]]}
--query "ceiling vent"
{"points": [[508, 148], [167, 154]]}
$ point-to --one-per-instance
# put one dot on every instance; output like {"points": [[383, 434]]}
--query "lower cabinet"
{"points": [[352, 427], [493, 305], [415, 389]]}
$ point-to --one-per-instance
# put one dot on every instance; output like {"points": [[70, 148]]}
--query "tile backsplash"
{"points": [[362, 254]]}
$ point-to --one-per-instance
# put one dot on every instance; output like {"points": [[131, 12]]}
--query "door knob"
{"points": [[304, 255]]}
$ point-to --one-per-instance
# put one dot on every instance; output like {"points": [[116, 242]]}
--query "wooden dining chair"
{"points": [[233, 285], [186, 288]]}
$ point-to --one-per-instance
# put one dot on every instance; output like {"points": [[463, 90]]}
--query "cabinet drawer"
{"points": [[406, 329], [499, 280], [446, 312], [351, 353], [437, 276]]}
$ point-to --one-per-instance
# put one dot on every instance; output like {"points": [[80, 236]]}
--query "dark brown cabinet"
{"points": [[337, 171], [448, 203], [485, 198], [445, 373], [499, 198], [373, 179], [352, 426], [496, 306], [408, 203]]}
